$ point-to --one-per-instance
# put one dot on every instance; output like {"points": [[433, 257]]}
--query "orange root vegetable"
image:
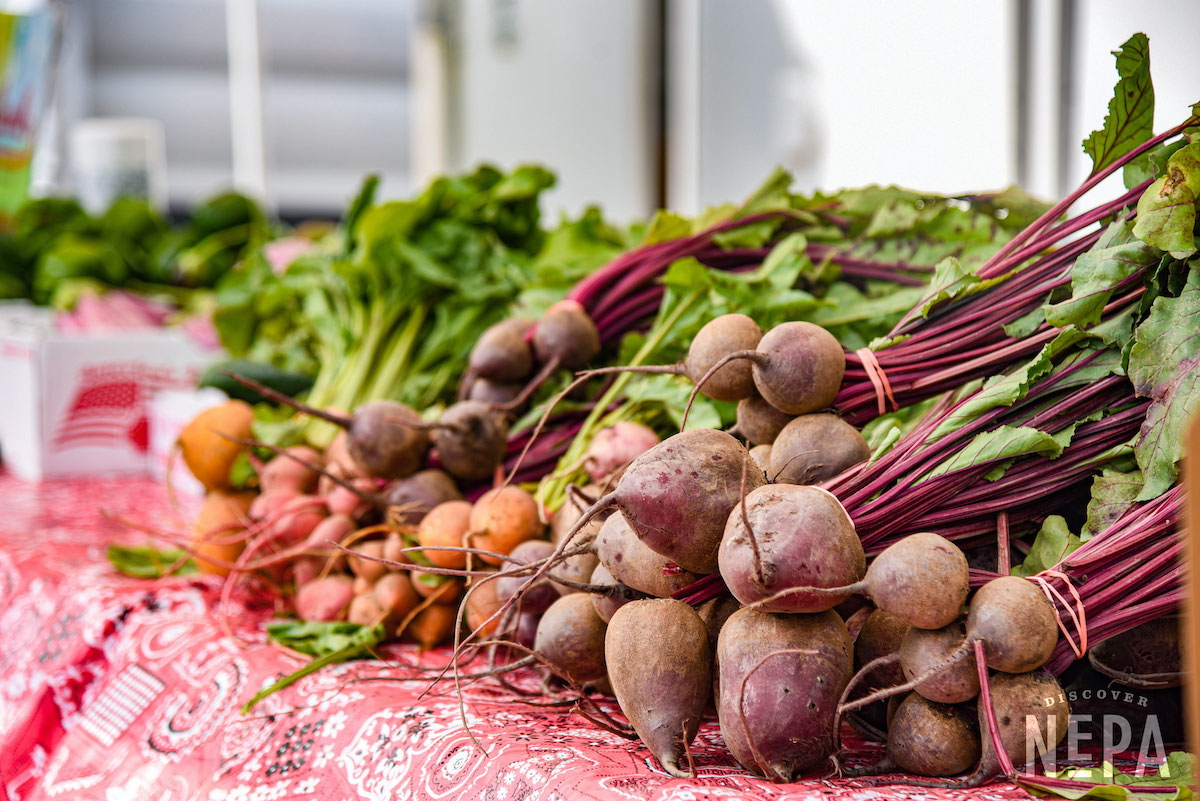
{"points": [[432, 626], [221, 513], [443, 589], [502, 519], [445, 525], [366, 610], [368, 569], [393, 548], [482, 604], [397, 597], [207, 454]]}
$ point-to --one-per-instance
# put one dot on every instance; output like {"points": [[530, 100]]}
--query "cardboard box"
{"points": [[171, 411], [78, 405]]}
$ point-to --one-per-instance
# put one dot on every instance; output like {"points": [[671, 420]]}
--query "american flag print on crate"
{"points": [[127, 697], [109, 405]]}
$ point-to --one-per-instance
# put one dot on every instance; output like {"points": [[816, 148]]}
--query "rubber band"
{"points": [[1080, 620], [878, 378]]}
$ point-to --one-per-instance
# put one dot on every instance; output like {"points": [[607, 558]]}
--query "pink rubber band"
{"points": [[1080, 620], [878, 378]]}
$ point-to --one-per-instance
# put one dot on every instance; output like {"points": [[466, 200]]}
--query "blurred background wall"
{"points": [[635, 103]]}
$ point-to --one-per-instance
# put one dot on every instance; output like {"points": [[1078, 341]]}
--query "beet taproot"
{"points": [[780, 678], [797, 537], [663, 690]]}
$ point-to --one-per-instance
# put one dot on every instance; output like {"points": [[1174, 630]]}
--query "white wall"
{"points": [[335, 91], [1173, 26], [566, 84], [848, 93]]}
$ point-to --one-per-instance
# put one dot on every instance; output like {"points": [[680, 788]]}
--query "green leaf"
{"points": [[575, 249], [952, 281], [1026, 324], [1109, 784], [1113, 492], [327, 643], [1013, 207], [1008, 388], [363, 200], [1151, 164], [146, 562], [667, 225], [770, 196], [1130, 118], [856, 318], [1051, 545], [1167, 209], [1164, 365], [317, 638], [670, 394], [882, 432], [1118, 255], [1000, 444]]}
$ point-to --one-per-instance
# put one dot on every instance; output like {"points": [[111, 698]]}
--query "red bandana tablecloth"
{"points": [[117, 689]]}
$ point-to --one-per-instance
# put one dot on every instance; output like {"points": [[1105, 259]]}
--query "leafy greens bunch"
{"points": [[54, 249], [390, 304]]}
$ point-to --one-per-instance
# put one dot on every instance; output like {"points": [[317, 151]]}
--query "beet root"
{"points": [[720, 337], [1015, 623], [881, 635], [616, 446], [577, 568], [606, 604], [927, 651], [761, 454], [801, 369], [633, 564], [931, 739], [566, 336], [816, 447], [759, 421], [678, 495], [797, 537], [538, 596], [413, 497], [922, 579], [1024, 702], [471, 439], [501, 353], [714, 613], [663, 690], [780, 678], [383, 440], [570, 637], [493, 393]]}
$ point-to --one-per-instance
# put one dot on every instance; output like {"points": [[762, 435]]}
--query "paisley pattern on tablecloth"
{"points": [[116, 689]]}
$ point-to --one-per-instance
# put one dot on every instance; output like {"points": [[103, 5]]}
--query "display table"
{"points": [[121, 689]]}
